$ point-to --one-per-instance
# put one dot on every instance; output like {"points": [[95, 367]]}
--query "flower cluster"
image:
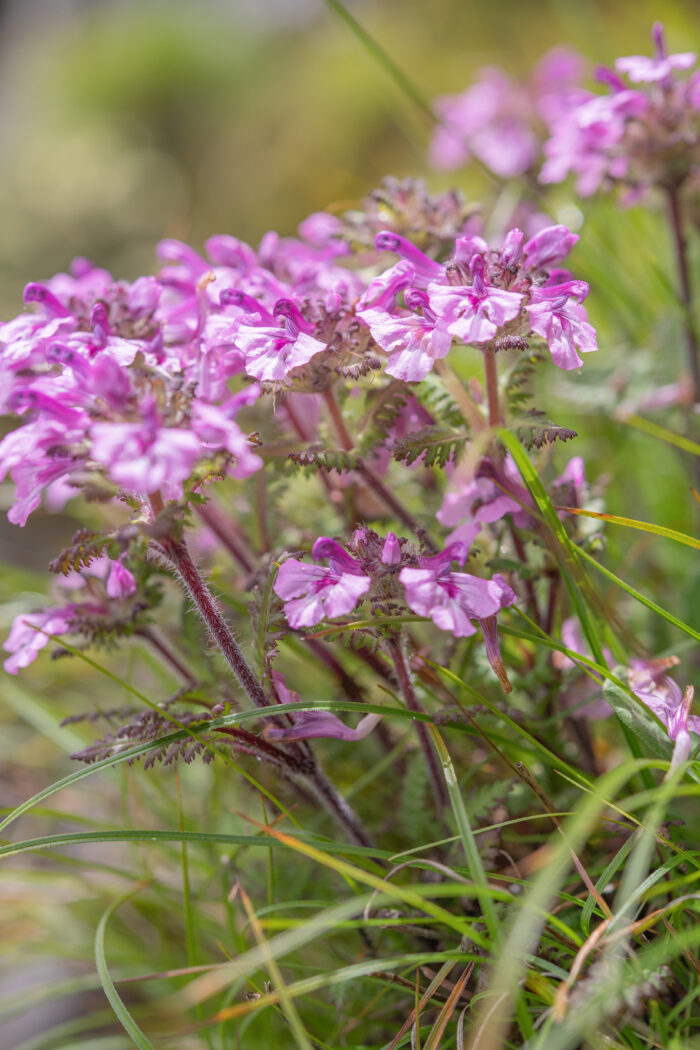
{"points": [[645, 131], [394, 578], [116, 380], [480, 296], [501, 122], [101, 599], [640, 136]]}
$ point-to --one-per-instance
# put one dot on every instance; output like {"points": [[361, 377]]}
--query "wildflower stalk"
{"points": [[405, 679], [685, 290], [179, 557]]}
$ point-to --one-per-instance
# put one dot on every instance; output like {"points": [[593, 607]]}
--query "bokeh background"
{"points": [[125, 122]]}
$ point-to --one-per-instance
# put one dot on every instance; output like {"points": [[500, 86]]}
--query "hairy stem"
{"points": [[685, 290], [405, 680], [179, 557]]}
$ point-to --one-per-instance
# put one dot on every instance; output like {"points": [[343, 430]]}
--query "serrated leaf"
{"points": [[312, 459], [436, 447]]}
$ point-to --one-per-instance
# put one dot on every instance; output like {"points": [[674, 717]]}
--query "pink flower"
{"points": [[476, 503], [490, 121], [215, 427], [146, 457], [312, 593], [644, 70], [648, 681], [414, 341], [556, 314], [453, 599], [585, 140], [549, 245], [391, 551], [272, 352], [474, 313], [309, 725], [120, 582], [30, 633]]}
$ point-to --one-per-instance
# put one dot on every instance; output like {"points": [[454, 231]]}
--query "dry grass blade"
{"points": [[427, 995], [448, 1009]]}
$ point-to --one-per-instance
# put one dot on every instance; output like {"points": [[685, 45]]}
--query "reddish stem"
{"points": [[366, 473], [226, 534], [178, 555], [685, 291], [405, 680]]}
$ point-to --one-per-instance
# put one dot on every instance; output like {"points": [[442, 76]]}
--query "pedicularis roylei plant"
{"points": [[347, 415]]}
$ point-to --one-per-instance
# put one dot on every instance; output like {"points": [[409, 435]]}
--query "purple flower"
{"points": [[476, 503], [474, 313], [490, 121], [424, 268], [312, 593], [556, 314], [35, 456], [648, 681], [146, 457], [585, 140], [414, 341], [309, 725], [453, 599], [391, 552], [30, 633], [549, 245], [643, 70], [215, 427], [120, 582], [271, 352]]}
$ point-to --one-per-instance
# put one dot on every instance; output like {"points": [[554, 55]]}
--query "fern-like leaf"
{"points": [[267, 618], [436, 447], [313, 459], [85, 548]]}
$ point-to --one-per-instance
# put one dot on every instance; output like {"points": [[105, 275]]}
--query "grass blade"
{"points": [[632, 523], [662, 433], [640, 597], [123, 1016], [471, 852]]}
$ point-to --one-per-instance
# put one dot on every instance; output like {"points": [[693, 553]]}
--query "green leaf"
{"points": [[564, 550], [640, 597], [662, 433], [632, 523], [115, 1001], [471, 851], [633, 713]]}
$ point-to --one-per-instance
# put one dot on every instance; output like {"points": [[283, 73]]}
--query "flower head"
{"points": [[310, 725], [312, 593], [648, 680]]}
